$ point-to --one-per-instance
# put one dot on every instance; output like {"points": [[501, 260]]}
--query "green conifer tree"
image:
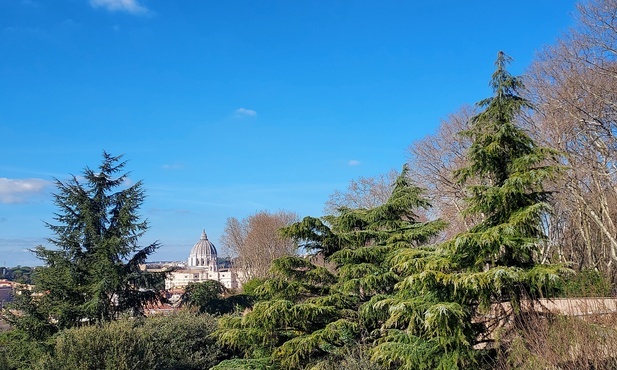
{"points": [[437, 319], [93, 274], [308, 315]]}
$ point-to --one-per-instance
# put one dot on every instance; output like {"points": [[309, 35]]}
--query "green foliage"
{"points": [[306, 315], [246, 364], [183, 340], [431, 321], [208, 297], [19, 274], [587, 283], [115, 345], [92, 275], [18, 351], [179, 341], [4, 361], [313, 235], [31, 317], [353, 357], [249, 287]]}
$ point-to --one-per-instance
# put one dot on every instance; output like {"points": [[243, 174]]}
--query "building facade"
{"points": [[202, 264], [7, 289]]}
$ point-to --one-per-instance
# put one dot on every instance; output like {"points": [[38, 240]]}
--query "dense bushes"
{"points": [[20, 352], [587, 283], [246, 364], [179, 341], [352, 358]]}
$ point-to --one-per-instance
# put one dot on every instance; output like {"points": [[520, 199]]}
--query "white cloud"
{"points": [[173, 166], [354, 162], [130, 6], [243, 112], [20, 190], [128, 182]]}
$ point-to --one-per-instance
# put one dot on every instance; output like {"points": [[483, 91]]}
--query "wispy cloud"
{"points": [[173, 166], [243, 112], [128, 182], [354, 162], [20, 190], [129, 6]]}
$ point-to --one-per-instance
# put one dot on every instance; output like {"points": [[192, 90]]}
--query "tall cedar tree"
{"points": [[438, 315], [92, 275], [307, 315]]}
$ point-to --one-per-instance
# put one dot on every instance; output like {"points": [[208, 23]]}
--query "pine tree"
{"points": [[437, 316], [308, 315], [93, 273]]}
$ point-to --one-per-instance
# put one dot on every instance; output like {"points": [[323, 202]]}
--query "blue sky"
{"points": [[226, 108]]}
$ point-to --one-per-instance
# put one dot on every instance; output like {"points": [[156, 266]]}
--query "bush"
{"points": [[249, 287], [118, 345], [587, 283], [352, 358], [179, 341], [246, 364], [20, 352], [183, 340]]}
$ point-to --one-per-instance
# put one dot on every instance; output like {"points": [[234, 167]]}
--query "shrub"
{"points": [[587, 283], [183, 340], [179, 341], [19, 352], [246, 364]]}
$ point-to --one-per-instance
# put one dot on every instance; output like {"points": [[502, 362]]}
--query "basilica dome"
{"points": [[203, 253]]}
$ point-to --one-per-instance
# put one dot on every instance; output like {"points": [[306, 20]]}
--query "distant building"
{"points": [[7, 289], [202, 265]]}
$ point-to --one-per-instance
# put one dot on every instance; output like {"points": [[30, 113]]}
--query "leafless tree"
{"points": [[365, 192], [433, 161], [255, 241], [573, 85]]}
